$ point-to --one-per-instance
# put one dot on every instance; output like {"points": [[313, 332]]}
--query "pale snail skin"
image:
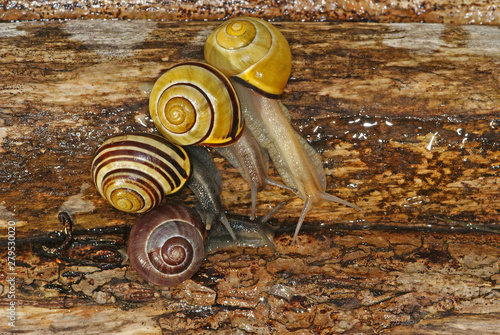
{"points": [[297, 162], [182, 232], [253, 164], [166, 245], [134, 172]]}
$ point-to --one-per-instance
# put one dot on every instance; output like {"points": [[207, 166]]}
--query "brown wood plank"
{"points": [[406, 118], [334, 281], [407, 130]]}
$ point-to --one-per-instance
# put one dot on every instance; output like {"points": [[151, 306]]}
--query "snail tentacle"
{"points": [[250, 233]]}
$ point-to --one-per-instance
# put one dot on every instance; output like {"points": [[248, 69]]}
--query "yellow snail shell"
{"points": [[194, 103], [252, 50], [135, 171]]}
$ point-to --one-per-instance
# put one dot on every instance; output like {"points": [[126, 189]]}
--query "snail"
{"points": [[135, 171], [194, 103], [298, 164], [167, 245], [199, 99]]}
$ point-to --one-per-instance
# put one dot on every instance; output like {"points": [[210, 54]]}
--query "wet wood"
{"points": [[405, 116], [434, 11], [334, 281]]}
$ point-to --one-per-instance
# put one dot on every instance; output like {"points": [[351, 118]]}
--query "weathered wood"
{"points": [[333, 282], [433, 11], [405, 116]]}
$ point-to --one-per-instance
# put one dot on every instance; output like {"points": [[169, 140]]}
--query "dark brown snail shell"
{"points": [[166, 245]]}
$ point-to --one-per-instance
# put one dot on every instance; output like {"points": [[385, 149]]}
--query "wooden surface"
{"points": [[484, 12], [338, 281], [405, 116]]}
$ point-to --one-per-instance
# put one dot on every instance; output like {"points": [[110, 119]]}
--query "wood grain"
{"points": [[334, 281], [406, 118], [481, 12]]}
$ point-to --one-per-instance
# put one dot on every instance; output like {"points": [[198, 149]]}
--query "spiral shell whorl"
{"points": [[135, 171], [194, 103], [166, 245], [252, 50]]}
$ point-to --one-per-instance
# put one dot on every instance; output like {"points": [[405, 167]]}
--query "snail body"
{"points": [[252, 162], [194, 103], [250, 233], [135, 171], [297, 162], [206, 184], [166, 245]]}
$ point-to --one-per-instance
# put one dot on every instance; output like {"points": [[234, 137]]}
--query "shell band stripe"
{"points": [[125, 173], [237, 118], [163, 170], [130, 151], [256, 89], [147, 145]]}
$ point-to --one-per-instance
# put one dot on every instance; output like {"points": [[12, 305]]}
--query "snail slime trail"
{"points": [[258, 59]]}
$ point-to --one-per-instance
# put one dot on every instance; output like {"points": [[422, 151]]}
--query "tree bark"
{"points": [[405, 117]]}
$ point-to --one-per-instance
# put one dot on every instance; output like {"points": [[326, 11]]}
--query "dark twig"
{"points": [[65, 219]]}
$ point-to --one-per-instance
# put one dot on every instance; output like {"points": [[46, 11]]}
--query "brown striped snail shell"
{"points": [[135, 171], [166, 245], [194, 103], [253, 52]]}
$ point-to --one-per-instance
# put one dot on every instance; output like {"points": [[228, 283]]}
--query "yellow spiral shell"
{"points": [[135, 171], [253, 51], [194, 103]]}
